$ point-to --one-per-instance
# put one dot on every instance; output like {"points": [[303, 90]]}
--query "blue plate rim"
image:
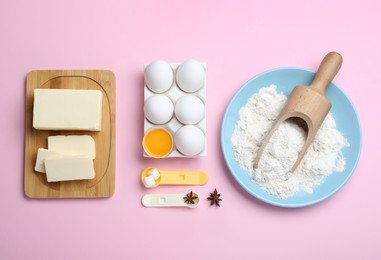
{"points": [[269, 201]]}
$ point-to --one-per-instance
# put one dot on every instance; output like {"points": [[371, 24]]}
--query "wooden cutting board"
{"points": [[103, 185]]}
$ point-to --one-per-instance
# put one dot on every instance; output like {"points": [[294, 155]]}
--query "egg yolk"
{"points": [[158, 142]]}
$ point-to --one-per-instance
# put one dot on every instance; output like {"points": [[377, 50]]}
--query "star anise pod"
{"points": [[190, 197], [214, 198]]}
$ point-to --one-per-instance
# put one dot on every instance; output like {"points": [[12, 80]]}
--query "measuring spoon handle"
{"points": [[183, 177], [166, 200], [328, 69]]}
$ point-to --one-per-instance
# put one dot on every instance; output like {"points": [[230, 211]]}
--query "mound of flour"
{"points": [[273, 174]]}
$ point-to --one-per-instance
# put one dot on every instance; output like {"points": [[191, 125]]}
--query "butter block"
{"points": [[72, 145], [67, 109], [68, 168], [42, 153]]}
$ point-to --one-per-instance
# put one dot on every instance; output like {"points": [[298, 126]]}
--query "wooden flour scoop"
{"points": [[308, 106]]}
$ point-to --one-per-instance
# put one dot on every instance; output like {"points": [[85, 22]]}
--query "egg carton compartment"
{"points": [[175, 93]]}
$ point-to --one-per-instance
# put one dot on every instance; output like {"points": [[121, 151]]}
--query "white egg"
{"points": [[190, 76], [158, 76], [158, 109], [189, 109], [190, 140]]}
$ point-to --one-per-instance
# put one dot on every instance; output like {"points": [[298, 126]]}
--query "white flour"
{"points": [[273, 173]]}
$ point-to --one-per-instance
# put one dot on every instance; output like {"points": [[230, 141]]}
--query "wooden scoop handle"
{"points": [[328, 69]]}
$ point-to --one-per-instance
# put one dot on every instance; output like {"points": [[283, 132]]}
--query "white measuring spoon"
{"points": [[169, 200]]}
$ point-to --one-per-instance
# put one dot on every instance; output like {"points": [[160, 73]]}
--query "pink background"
{"points": [[237, 39]]}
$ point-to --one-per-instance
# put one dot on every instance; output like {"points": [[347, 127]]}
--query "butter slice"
{"points": [[72, 145], [69, 168], [42, 153], [67, 109]]}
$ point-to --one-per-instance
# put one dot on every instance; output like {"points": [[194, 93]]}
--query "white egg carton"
{"points": [[175, 93]]}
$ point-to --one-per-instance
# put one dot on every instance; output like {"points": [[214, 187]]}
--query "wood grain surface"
{"points": [[103, 185]]}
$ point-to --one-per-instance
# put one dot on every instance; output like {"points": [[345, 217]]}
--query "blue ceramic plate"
{"points": [[342, 110]]}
